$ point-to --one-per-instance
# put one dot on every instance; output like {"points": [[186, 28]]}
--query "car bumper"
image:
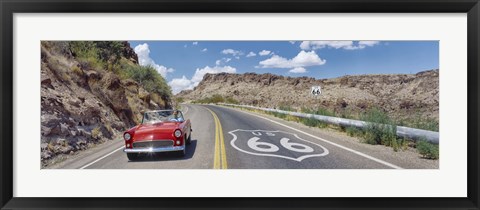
{"points": [[154, 149]]}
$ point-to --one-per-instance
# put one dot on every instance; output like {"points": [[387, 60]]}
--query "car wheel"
{"points": [[182, 152], [132, 156], [189, 140]]}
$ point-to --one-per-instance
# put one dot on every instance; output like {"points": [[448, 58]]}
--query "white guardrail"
{"points": [[406, 132]]}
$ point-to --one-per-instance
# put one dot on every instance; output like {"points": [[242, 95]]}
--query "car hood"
{"points": [[156, 131]]}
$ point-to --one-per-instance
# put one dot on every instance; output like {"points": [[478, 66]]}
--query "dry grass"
{"points": [[96, 133]]}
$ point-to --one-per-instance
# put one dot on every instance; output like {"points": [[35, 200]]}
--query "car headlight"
{"points": [[177, 133], [127, 136]]}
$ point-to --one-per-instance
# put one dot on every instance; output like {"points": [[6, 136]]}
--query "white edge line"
{"points": [[185, 112], [102, 157], [332, 143]]}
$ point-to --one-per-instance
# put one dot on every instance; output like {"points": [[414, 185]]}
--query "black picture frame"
{"points": [[10, 7]]}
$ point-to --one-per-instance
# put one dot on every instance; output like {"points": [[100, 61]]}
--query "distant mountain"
{"points": [[402, 96]]}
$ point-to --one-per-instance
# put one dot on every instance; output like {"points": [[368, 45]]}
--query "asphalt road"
{"points": [[228, 138]]}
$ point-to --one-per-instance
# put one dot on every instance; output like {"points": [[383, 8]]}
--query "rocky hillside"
{"points": [[90, 93], [402, 96]]}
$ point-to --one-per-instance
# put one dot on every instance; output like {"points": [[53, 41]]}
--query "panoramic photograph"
{"points": [[293, 104]]}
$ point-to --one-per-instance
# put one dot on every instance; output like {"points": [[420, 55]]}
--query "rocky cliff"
{"points": [[87, 99], [400, 95]]}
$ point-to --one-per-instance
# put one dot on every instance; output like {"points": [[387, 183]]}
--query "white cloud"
{"points": [[292, 42], [303, 59], [179, 84], [298, 70], [251, 54], [347, 45], [368, 43], [232, 52], [223, 60], [195, 43], [199, 73], [264, 52], [204, 50], [144, 59]]}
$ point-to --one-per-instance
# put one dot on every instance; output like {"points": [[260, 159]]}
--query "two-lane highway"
{"points": [[257, 142], [228, 138]]}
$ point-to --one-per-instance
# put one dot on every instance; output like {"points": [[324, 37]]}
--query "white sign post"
{"points": [[316, 91]]}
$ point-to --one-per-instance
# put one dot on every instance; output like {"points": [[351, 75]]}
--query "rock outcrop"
{"points": [[400, 95], [83, 106]]}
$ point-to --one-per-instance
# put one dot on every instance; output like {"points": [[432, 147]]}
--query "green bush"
{"points": [[149, 79], [230, 100], [279, 115], [318, 111], [420, 122], [424, 123], [180, 100], [427, 150], [108, 53], [217, 99], [213, 99], [96, 133], [286, 108], [310, 122], [352, 131], [324, 112], [380, 129]]}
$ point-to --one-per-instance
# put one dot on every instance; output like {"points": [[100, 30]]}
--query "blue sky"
{"points": [[183, 63]]}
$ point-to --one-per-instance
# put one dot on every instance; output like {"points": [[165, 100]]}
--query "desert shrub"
{"points": [[148, 78], [212, 99], [77, 70], [96, 133], [63, 47], [318, 111], [180, 100], [285, 108], [293, 118], [352, 131], [424, 123], [310, 122], [106, 53], [109, 51], [324, 112], [230, 100], [420, 122], [279, 115], [380, 129], [216, 99], [427, 150]]}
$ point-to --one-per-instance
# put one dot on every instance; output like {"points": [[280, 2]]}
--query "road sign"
{"points": [[277, 144], [316, 90]]}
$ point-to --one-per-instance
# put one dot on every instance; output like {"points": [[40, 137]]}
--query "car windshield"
{"points": [[162, 116]]}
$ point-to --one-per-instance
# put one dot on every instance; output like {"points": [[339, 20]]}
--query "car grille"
{"points": [[153, 144]]}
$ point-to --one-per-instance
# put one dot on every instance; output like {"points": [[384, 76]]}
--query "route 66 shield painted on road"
{"points": [[278, 144]]}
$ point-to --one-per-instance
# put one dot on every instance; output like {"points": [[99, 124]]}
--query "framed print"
{"points": [[252, 105]]}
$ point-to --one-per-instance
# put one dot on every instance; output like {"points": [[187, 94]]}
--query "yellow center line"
{"points": [[222, 142], [219, 145], [216, 159]]}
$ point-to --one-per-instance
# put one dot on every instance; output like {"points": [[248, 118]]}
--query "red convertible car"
{"points": [[160, 131]]}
